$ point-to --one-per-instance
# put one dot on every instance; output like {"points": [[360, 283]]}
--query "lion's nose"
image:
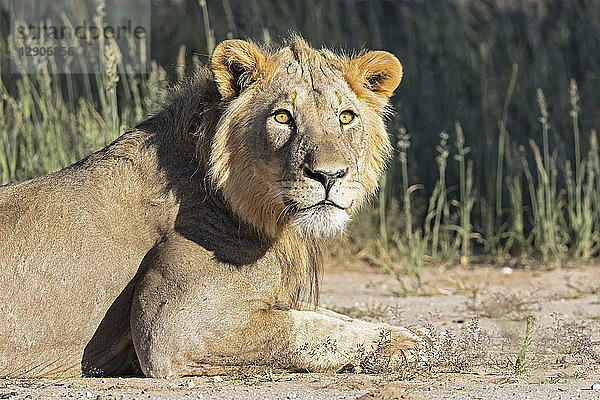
{"points": [[327, 177]]}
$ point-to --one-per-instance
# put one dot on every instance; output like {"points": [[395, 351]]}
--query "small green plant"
{"points": [[521, 360], [467, 197], [580, 190], [546, 202], [409, 250], [439, 210], [514, 233], [472, 290], [503, 137]]}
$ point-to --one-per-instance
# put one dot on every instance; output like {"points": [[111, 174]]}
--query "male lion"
{"points": [[190, 240]]}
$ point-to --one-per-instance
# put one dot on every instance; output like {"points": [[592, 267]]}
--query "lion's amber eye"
{"points": [[346, 117], [283, 117]]}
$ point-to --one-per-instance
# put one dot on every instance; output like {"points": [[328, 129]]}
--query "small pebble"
{"points": [[218, 379], [596, 386], [506, 271]]}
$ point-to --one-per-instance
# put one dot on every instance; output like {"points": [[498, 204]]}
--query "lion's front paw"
{"points": [[395, 350]]}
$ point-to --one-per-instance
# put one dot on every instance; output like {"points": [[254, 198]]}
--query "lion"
{"points": [[194, 240]]}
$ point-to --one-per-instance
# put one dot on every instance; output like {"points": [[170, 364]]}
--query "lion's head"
{"points": [[301, 142]]}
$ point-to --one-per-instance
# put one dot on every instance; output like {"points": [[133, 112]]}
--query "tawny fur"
{"points": [[191, 239]]}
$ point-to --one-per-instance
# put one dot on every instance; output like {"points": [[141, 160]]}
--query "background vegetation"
{"points": [[507, 88]]}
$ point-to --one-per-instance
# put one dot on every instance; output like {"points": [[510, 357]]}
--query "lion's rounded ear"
{"points": [[235, 65], [375, 73]]}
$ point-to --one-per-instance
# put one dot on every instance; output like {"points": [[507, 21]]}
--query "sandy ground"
{"points": [[565, 302]]}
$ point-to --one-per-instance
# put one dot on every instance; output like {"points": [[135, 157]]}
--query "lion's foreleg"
{"points": [[183, 319], [292, 339]]}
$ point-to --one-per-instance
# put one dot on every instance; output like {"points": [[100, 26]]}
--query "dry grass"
{"points": [[461, 351], [507, 305]]}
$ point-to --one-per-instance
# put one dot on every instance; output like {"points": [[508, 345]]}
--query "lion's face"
{"points": [[302, 142]]}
